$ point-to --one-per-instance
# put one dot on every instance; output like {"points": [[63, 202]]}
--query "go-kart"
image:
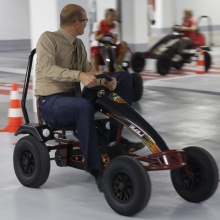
{"points": [[165, 60], [107, 49], [126, 183]]}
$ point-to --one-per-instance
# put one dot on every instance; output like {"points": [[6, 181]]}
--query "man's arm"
{"points": [[46, 61]]}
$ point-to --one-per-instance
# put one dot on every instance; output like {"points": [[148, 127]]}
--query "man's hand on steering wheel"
{"points": [[90, 80], [111, 85]]}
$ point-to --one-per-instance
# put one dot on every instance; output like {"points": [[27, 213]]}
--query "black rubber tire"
{"points": [[31, 162], [163, 64], [137, 84], [204, 179], [208, 61], [126, 185], [137, 62]]}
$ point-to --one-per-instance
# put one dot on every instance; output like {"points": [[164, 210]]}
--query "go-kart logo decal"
{"points": [[146, 138], [116, 98], [151, 144], [136, 130]]}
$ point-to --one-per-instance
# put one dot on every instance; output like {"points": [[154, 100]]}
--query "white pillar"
{"points": [[101, 5], [135, 24], [165, 16]]}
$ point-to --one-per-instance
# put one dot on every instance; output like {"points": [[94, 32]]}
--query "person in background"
{"points": [[188, 28], [107, 26]]}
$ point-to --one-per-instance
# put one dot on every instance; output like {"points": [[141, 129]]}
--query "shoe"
{"points": [[131, 146], [98, 178], [119, 68]]}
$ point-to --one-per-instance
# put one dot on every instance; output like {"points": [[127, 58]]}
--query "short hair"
{"points": [[189, 11], [109, 10], [70, 13]]}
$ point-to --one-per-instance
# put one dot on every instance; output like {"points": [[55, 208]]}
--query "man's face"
{"points": [[82, 23], [187, 15], [110, 17]]}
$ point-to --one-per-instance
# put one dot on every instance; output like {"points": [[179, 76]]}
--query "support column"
{"points": [[101, 5], [134, 24]]}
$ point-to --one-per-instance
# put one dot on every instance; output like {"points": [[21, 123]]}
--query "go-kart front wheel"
{"points": [[163, 64], [126, 185], [199, 181], [31, 162], [137, 84]]}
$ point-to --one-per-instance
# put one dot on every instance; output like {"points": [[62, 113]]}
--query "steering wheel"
{"points": [[107, 40], [177, 31], [97, 91]]}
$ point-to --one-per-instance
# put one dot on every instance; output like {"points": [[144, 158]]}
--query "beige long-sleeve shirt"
{"points": [[60, 59]]}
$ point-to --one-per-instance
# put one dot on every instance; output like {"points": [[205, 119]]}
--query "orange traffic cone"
{"points": [[15, 114], [200, 68]]}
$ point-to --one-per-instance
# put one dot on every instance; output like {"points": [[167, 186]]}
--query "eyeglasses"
{"points": [[85, 20]]}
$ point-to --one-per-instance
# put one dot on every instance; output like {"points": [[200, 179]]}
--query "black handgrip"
{"points": [[104, 75], [106, 42], [108, 35]]}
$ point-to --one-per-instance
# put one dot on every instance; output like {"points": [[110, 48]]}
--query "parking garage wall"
{"points": [[15, 19]]}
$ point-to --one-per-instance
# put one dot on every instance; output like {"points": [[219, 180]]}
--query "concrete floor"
{"points": [[182, 106]]}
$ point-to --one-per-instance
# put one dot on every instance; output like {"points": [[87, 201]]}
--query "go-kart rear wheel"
{"points": [[137, 84], [208, 61], [201, 180], [137, 62], [163, 63], [126, 185], [31, 162]]}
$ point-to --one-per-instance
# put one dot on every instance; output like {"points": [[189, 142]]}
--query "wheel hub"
{"points": [[27, 163], [122, 187], [192, 178]]}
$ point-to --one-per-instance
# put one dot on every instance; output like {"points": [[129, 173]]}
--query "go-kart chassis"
{"points": [[138, 58], [161, 159]]}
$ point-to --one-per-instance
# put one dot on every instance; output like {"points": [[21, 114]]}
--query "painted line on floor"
{"points": [[8, 91], [4, 92]]}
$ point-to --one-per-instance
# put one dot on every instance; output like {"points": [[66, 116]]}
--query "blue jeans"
{"points": [[64, 109]]}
